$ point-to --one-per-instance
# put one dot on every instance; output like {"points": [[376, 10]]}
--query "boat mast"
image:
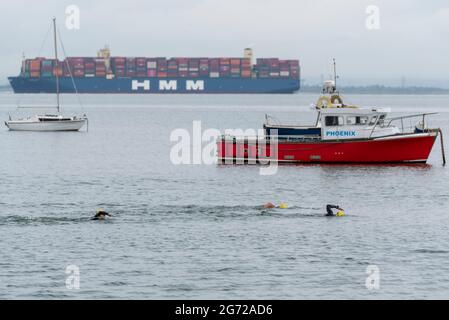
{"points": [[335, 74], [57, 64]]}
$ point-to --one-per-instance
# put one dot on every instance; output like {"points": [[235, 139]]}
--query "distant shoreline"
{"points": [[373, 89], [380, 89]]}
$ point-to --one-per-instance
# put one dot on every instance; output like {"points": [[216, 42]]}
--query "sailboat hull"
{"points": [[73, 125]]}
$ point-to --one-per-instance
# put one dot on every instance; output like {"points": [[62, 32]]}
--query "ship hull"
{"points": [[393, 149], [155, 85], [74, 125]]}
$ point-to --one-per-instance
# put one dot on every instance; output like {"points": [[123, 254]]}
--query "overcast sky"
{"points": [[412, 41]]}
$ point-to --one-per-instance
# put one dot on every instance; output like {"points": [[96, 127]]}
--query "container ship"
{"points": [[108, 74]]}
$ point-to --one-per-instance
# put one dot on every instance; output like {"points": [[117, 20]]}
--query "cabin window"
{"points": [[357, 120], [334, 121], [373, 120]]}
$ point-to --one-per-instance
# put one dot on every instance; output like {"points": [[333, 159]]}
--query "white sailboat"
{"points": [[49, 122]]}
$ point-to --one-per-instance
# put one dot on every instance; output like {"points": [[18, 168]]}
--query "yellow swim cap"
{"points": [[283, 206], [340, 214]]}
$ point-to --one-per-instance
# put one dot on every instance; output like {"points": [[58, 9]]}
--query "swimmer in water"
{"points": [[330, 212], [269, 205], [101, 215]]}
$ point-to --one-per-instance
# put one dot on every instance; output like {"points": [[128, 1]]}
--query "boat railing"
{"points": [[270, 120], [400, 122], [283, 138]]}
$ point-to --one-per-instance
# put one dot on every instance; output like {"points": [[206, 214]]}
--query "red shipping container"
{"points": [[35, 65], [58, 72], [141, 62], [152, 73]]}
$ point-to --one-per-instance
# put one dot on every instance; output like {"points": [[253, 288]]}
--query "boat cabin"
{"points": [[337, 121], [354, 123], [337, 124]]}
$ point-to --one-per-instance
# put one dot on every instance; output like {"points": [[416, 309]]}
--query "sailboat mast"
{"points": [[57, 64]]}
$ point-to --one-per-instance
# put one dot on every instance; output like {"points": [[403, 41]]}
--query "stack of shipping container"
{"points": [[152, 68], [46, 68], [118, 66], [246, 68], [204, 68], [194, 68], [32, 68], [294, 68], [275, 68], [163, 68], [100, 68], [76, 66], [214, 68], [89, 67], [172, 68], [141, 67], [130, 67]]}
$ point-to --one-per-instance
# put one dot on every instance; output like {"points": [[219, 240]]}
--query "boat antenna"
{"points": [[57, 64], [335, 74]]}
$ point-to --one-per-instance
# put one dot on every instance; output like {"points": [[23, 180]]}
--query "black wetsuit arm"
{"points": [[329, 209]]}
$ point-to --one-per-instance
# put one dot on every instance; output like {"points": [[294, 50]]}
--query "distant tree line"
{"points": [[379, 89]]}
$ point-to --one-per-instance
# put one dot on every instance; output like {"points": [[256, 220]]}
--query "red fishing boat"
{"points": [[341, 134]]}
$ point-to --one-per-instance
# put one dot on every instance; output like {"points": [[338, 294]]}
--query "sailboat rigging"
{"points": [[49, 122]]}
